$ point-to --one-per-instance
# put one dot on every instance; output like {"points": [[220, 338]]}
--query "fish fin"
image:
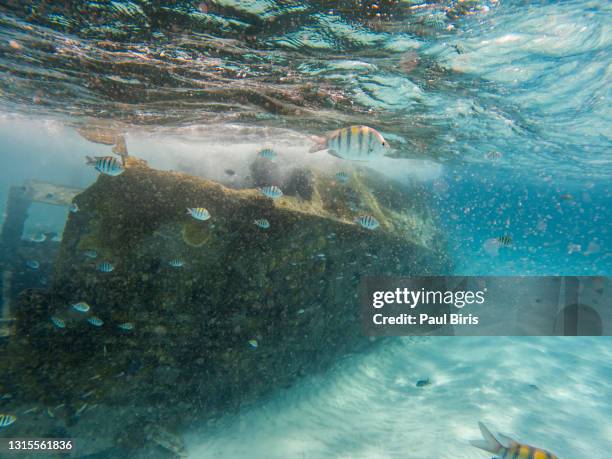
{"points": [[319, 144], [334, 153], [90, 160], [188, 211], [509, 442], [489, 443]]}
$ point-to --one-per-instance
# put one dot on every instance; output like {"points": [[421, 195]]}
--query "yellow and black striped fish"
{"points": [[356, 143], [513, 450], [504, 240]]}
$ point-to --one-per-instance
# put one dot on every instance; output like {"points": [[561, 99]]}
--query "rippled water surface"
{"points": [[499, 121]]}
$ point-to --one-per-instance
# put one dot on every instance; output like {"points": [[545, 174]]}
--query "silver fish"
{"points": [[95, 321], [7, 419], [355, 143], [38, 237], [262, 223], [342, 176], [105, 267], [81, 306], [59, 323], [74, 208], [267, 153], [108, 165], [368, 222], [271, 191], [176, 263], [32, 264], [90, 253], [127, 326], [199, 213]]}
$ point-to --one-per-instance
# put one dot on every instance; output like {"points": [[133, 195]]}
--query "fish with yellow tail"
{"points": [[355, 143], [513, 449]]}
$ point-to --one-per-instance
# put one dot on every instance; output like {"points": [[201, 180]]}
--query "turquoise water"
{"points": [[498, 112]]}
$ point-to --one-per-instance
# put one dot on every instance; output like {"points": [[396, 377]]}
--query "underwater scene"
{"points": [[194, 194]]}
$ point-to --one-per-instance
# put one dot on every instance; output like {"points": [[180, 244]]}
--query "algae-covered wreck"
{"points": [[248, 310]]}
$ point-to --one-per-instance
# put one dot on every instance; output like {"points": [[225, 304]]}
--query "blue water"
{"points": [[504, 117]]}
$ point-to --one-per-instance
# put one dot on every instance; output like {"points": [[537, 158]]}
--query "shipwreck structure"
{"points": [[198, 318]]}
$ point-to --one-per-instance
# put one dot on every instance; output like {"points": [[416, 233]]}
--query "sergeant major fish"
{"points": [[271, 191], [514, 449], [356, 143], [368, 222], [59, 323], [105, 267], [108, 165], [199, 213], [7, 419], [176, 263], [95, 321], [267, 153], [262, 223]]}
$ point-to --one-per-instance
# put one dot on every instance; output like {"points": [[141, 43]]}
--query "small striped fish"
{"points": [[262, 223], [7, 419], [127, 326], [342, 176], [106, 164], [253, 343], [271, 191], [105, 267], [176, 263], [95, 321], [90, 253], [59, 323], [514, 450], [368, 222], [267, 153], [356, 143], [81, 306], [199, 213], [504, 240]]}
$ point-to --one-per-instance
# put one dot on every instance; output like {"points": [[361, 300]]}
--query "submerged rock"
{"points": [[292, 289]]}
